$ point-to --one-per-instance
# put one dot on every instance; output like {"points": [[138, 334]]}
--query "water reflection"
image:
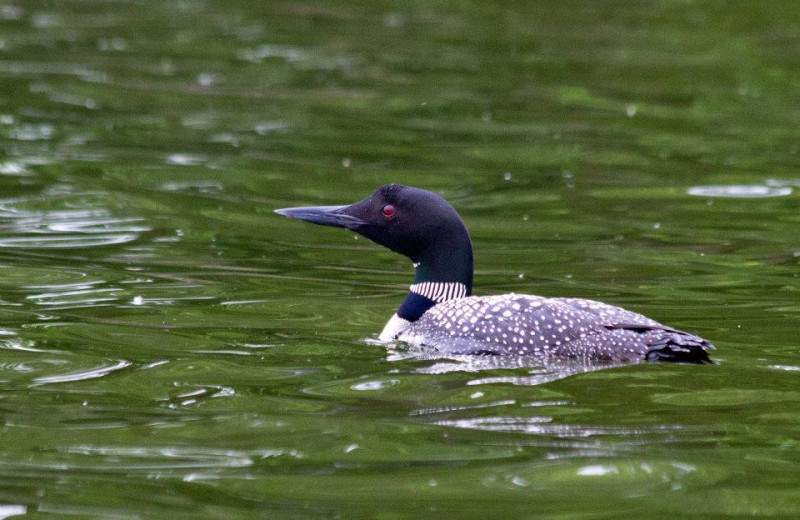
{"points": [[538, 371]]}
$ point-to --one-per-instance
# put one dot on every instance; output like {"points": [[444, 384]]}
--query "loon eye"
{"points": [[388, 210]]}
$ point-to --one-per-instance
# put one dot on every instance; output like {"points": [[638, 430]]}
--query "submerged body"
{"points": [[439, 314]]}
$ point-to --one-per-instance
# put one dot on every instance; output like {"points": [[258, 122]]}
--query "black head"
{"points": [[416, 223], [404, 219]]}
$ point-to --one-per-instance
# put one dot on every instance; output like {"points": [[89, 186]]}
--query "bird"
{"points": [[441, 315]]}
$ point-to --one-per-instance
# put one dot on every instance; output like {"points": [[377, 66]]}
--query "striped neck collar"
{"points": [[440, 291], [425, 295]]}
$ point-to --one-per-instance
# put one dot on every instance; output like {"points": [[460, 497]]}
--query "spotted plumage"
{"points": [[439, 314], [525, 325]]}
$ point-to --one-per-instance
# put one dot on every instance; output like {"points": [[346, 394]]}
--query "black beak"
{"points": [[335, 216]]}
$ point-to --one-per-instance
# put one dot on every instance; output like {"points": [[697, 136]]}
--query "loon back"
{"points": [[440, 314]]}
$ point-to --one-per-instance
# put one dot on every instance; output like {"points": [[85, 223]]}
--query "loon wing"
{"points": [[668, 344]]}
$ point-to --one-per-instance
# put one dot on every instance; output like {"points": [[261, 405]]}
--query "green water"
{"points": [[171, 348]]}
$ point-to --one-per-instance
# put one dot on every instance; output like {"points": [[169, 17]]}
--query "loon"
{"points": [[440, 313]]}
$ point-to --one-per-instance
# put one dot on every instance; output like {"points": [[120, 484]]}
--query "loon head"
{"points": [[413, 222]]}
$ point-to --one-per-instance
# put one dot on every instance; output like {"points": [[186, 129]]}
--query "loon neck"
{"points": [[442, 276]]}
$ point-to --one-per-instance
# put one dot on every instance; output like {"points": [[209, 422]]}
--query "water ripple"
{"points": [[740, 191], [458, 408], [63, 228], [92, 373], [166, 457], [74, 295], [540, 425], [21, 345]]}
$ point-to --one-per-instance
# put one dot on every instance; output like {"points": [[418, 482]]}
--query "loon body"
{"points": [[439, 312]]}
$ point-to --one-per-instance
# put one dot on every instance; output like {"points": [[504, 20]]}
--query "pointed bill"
{"points": [[334, 216]]}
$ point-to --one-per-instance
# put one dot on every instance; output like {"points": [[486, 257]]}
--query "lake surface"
{"points": [[171, 348]]}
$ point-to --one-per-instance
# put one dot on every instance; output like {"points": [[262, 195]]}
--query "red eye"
{"points": [[388, 210]]}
